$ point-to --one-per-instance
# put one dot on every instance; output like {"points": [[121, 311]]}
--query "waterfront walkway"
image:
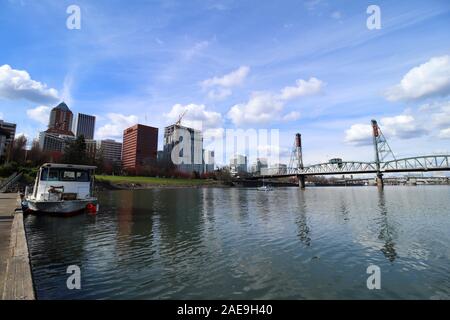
{"points": [[15, 273]]}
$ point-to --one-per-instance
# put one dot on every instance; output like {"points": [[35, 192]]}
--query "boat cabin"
{"points": [[56, 182]]}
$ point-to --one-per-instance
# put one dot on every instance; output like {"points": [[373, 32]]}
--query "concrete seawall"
{"points": [[16, 282]]}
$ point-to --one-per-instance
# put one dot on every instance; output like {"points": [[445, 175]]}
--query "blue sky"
{"points": [[298, 66]]}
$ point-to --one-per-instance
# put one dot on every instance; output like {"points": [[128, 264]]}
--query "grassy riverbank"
{"points": [[128, 182]]}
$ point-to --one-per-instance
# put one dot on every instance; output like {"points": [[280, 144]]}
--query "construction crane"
{"points": [[181, 117]]}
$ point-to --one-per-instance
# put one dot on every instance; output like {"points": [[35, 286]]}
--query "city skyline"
{"points": [[318, 71]]}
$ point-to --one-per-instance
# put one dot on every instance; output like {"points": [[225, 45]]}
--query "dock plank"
{"points": [[16, 281]]}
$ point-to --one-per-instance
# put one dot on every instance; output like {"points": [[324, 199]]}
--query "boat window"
{"points": [[82, 176], [68, 175], [65, 175], [49, 175]]}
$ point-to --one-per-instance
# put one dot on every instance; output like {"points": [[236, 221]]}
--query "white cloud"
{"points": [[262, 107], [444, 134], [17, 84], [221, 85], [231, 79], [303, 88], [429, 79], [292, 116], [40, 114], [402, 126], [196, 116], [1, 115], [359, 134], [114, 129]]}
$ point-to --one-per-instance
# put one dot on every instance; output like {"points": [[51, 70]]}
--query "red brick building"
{"points": [[140, 147]]}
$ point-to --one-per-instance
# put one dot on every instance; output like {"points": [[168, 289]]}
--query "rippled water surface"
{"points": [[249, 244]]}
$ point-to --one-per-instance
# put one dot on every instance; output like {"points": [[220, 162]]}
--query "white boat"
{"points": [[62, 189], [265, 188]]}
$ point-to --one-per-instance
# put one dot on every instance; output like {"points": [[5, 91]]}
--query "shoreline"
{"points": [[101, 185]]}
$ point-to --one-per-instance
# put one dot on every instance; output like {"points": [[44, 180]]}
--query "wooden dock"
{"points": [[16, 281]]}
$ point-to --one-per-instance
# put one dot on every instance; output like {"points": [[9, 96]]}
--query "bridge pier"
{"points": [[379, 180], [301, 181]]}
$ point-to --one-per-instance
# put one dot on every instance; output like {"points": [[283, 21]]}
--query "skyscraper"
{"points": [[190, 155], [61, 120], [85, 126], [140, 146]]}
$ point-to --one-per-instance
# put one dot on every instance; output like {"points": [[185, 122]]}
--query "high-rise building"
{"points": [[261, 163], [61, 120], [189, 155], [238, 164], [85, 126], [110, 150], [140, 146], [208, 158], [7, 134], [278, 168], [52, 142]]}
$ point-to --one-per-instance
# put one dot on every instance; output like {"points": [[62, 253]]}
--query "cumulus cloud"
{"points": [[359, 134], [17, 84], [231, 79], [220, 87], [263, 107], [117, 124], [196, 116], [429, 79], [303, 88], [401, 126], [40, 114]]}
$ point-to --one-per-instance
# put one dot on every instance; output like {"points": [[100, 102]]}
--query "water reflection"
{"points": [[302, 221], [247, 244], [386, 232]]}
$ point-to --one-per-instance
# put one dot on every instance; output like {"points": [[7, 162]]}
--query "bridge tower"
{"points": [[297, 159], [382, 150]]}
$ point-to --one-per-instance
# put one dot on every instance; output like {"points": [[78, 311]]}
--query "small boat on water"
{"points": [[265, 188], [62, 189]]}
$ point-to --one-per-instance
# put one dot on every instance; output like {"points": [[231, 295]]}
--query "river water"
{"points": [[234, 243]]}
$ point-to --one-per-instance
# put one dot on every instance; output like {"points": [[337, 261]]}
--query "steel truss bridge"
{"points": [[380, 166], [413, 164]]}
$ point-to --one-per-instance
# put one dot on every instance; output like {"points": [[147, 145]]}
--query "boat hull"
{"points": [[59, 207]]}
